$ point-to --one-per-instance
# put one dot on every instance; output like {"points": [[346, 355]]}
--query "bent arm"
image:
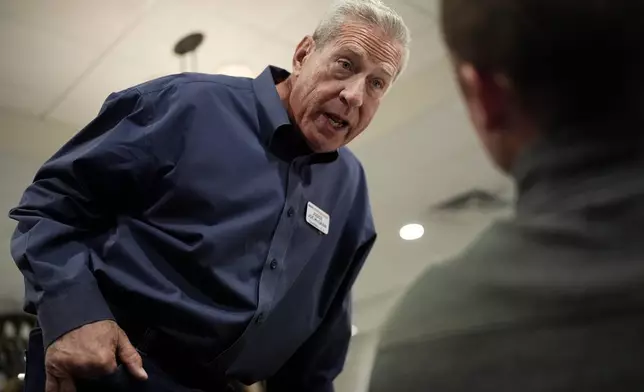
{"points": [[74, 198]]}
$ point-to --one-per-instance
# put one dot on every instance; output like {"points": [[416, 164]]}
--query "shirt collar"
{"points": [[554, 170], [273, 117]]}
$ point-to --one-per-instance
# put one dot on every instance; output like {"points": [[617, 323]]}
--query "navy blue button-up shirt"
{"points": [[185, 200]]}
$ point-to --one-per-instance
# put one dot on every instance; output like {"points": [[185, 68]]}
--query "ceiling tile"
{"points": [[28, 141], [430, 7], [89, 22], [418, 20], [147, 54], [426, 42], [301, 20], [114, 74], [37, 67], [285, 18], [154, 39], [276, 53]]}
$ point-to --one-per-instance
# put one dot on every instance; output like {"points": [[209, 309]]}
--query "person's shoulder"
{"points": [[453, 295], [354, 180], [196, 85], [351, 166], [353, 176], [197, 100], [196, 81]]}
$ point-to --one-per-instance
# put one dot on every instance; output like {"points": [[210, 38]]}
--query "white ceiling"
{"points": [[61, 58]]}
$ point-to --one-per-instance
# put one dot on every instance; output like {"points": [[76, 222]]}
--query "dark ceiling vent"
{"points": [[476, 199]]}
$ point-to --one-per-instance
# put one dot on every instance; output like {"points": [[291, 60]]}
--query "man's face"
{"points": [[337, 89]]}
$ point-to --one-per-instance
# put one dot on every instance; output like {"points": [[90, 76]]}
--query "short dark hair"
{"points": [[572, 61]]}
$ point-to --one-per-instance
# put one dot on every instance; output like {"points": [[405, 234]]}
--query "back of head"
{"points": [[572, 63]]}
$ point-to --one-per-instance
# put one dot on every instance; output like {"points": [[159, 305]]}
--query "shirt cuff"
{"points": [[77, 305]]}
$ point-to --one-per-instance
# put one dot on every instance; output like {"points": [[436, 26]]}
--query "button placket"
{"points": [[278, 246]]}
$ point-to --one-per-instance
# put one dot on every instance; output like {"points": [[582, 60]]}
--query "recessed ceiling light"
{"points": [[236, 70], [354, 330], [412, 231]]}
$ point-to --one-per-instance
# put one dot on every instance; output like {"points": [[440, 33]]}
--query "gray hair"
{"points": [[373, 12]]}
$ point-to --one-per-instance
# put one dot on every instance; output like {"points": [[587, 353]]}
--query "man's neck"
{"points": [[297, 145], [562, 175], [284, 89]]}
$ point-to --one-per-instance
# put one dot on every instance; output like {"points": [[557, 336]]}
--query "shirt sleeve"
{"points": [[74, 199], [321, 359]]}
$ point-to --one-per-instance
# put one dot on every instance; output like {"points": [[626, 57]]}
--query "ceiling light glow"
{"points": [[412, 231]]}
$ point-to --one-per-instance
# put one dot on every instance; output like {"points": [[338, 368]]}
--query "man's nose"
{"points": [[353, 93]]}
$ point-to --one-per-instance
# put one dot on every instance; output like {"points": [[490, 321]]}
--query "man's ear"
{"points": [[486, 95], [302, 53]]}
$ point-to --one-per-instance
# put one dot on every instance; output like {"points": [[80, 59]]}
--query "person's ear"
{"points": [[486, 96], [302, 53]]}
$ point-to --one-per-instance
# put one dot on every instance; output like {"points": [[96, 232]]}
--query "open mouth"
{"points": [[335, 121]]}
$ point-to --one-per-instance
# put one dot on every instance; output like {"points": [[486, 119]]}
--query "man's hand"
{"points": [[87, 352]]}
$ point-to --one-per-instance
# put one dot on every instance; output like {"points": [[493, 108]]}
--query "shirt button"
{"points": [[290, 212], [273, 264]]}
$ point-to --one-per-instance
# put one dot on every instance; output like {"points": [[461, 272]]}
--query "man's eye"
{"points": [[378, 84], [345, 64]]}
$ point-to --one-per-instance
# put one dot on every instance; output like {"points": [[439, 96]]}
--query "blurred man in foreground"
{"points": [[552, 300], [213, 225]]}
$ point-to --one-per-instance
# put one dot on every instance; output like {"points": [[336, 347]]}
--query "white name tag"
{"points": [[317, 218]]}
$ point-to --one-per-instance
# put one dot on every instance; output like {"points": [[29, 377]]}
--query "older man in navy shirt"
{"points": [[212, 225]]}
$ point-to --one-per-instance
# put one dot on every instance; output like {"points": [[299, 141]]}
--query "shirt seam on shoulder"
{"points": [[143, 93]]}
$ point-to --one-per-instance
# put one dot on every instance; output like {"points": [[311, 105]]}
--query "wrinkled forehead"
{"points": [[372, 45]]}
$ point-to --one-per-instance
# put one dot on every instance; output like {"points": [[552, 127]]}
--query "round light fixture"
{"points": [[236, 70], [412, 231], [188, 44], [354, 330]]}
